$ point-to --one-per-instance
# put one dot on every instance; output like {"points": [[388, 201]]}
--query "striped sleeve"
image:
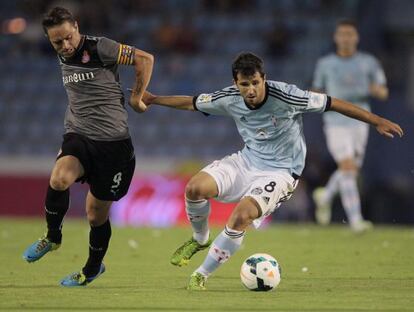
{"points": [[215, 103], [298, 100]]}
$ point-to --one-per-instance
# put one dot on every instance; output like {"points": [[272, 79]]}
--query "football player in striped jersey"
{"points": [[265, 173]]}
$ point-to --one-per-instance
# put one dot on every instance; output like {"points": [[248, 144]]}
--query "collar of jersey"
{"points": [[261, 103]]}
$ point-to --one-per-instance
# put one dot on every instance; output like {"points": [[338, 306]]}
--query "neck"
{"points": [[262, 100], [345, 52]]}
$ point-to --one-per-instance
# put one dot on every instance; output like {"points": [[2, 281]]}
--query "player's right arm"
{"points": [[184, 102], [207, 103]]}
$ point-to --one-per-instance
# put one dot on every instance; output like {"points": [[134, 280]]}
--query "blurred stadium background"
{"points": [[194, 42]]}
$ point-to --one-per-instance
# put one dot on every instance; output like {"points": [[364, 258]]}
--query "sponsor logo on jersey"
{"points": [[78, 77]]}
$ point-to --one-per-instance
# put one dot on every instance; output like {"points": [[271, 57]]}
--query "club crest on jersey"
{"points": [[273, 120], [85, 57]]}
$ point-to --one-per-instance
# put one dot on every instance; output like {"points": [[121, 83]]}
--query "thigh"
{"points": [[229, 174], [66, 170], [112, 170], [269, 190], [74, 156], [340, 142], [201, 186]]}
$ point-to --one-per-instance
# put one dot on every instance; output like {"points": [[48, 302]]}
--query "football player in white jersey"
{"points": [[353, 76], [268, 115]]}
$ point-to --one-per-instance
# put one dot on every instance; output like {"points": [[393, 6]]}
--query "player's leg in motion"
{"points": [[348, 189], [323, 197], [227, 242], [197, 205], [100, 233], [66, 170]]}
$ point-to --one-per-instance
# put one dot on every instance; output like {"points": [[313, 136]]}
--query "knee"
{"points": [[95, 218], [60, 182], [348, 166], [194, 191]]}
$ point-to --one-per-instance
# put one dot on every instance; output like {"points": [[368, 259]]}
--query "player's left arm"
{"points": [[143, 63], [383, 126], [111, 52], [378, 91]]}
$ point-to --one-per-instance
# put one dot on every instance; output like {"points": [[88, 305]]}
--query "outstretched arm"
{"points": [[174, 101], [383, 126], [143, 63]]}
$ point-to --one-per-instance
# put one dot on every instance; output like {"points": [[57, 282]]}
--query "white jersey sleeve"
{"points": [[300, 101], [216, 103]]}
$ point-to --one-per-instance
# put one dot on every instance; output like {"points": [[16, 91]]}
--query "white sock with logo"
{"points": [[222, 248]]}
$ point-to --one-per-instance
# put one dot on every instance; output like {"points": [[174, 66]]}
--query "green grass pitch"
{"points": [[346, 272]]}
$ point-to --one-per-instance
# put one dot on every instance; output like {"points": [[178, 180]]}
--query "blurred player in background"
{"points": [[354, 76], [96, 147], [268, 116]]}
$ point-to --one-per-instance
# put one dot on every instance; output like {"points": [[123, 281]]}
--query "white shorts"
{"points": [[236, 179], [347, 142]]}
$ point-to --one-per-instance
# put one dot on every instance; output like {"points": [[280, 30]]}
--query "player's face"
{"points": [[64, 38], [252, 88], [346, 38]]}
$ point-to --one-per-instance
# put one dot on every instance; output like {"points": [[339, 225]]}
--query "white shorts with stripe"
{"points": [[347, 142], [236, 179]]}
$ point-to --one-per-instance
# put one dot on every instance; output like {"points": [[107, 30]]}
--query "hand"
{"points": [[378, 91], [148, 98], [388, 128], [137, 104]]}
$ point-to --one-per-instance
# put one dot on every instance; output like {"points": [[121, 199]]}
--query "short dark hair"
{"points": [[57, 16], [247, 64], [347, 22]]}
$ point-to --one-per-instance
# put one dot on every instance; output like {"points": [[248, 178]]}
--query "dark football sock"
{"points": [[99, 237], [56, 206]]}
